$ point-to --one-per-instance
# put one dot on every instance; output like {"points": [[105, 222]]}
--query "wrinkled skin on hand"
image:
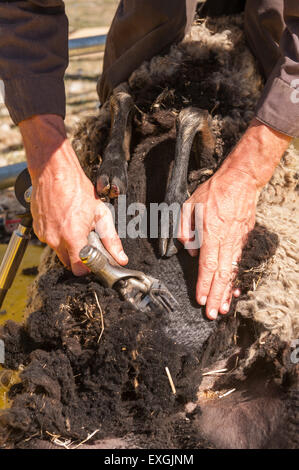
{"points": [[65, 207], [64, 204], [228, 202]]}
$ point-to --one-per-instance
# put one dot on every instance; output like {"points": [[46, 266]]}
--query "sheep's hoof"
{"points": [[112, 179], [169, 247], [168, 229]]}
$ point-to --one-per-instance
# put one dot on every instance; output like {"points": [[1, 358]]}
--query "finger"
{"points": [[193, 253], [221, 280], [197, 229], [61, 253], [227, 298], [185, 233], [78, 268], [236, 293], [109, 237], [64, 257], [190, 228], [231, 290], [208, 264], [228, 293], [60, 249], [68, 254]]}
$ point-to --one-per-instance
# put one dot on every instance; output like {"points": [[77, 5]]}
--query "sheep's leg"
{"points": [[190, 121], [112, 174]]}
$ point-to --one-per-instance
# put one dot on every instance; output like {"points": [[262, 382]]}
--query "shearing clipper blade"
{"points": [[144, 292]]}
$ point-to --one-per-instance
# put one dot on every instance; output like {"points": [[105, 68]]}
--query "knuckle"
{"points": [[205, 284], [210, 264], [217, 297], [224, 275]]}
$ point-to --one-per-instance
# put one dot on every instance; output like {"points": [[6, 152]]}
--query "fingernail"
{"points": [[213, 313], [122, 256], [225, 307], [203, 300], [237, 292]]}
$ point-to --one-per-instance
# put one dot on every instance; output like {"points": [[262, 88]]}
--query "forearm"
{"points": [[33, 57], [46, 145], [258, 152]]}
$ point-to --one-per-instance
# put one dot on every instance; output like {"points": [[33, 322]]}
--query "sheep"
{"points": [[78, 378]]}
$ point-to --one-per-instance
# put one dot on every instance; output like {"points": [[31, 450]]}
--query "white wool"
{"points": [[275, 301]]}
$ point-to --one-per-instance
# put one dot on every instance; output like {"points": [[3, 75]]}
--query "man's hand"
{"points": [[229, 200], [64, 205]]}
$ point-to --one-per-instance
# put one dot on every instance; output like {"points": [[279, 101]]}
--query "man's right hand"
{"points": [[64, 204]]}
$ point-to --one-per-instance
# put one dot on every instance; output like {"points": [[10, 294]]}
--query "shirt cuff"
{"points": [[33, 95], [278, 106]]}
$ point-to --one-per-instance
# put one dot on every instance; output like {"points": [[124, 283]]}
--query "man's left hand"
{"points": [[228, 201]]}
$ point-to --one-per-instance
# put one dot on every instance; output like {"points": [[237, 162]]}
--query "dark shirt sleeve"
{"points": [[279, 104], [33, 57]]}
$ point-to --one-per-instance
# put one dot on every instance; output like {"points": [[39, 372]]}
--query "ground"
{"points": [[81, 76]]}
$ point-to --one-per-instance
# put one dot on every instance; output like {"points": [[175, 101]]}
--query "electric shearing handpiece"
{"points": [[144, 292]]}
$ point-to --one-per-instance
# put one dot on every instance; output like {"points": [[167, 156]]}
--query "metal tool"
{"points": [[20, 237], [144, 292]]}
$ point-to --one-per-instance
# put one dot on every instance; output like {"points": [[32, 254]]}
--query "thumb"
{"points": [[108, 235]]}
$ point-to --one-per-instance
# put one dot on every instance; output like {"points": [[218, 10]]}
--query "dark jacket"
{"points": [[34, 52]]}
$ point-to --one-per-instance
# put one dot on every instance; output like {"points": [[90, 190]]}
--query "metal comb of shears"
{"points": [[144, 292]]}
